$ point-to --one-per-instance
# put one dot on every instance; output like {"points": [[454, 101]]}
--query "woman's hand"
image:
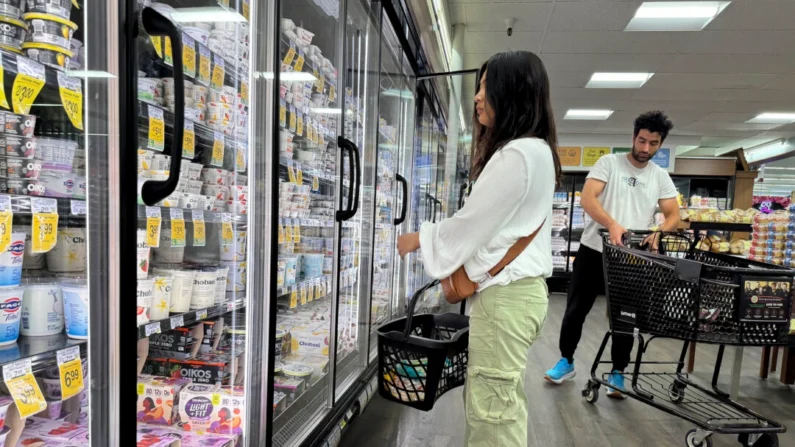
{"points": [[408, 243]]}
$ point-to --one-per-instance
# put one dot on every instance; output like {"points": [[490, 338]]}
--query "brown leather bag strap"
{"points": [[516, 249]]}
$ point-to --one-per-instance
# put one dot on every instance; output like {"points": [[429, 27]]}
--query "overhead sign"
{"points": [[569, 155], [592, 154], [662, 158]]}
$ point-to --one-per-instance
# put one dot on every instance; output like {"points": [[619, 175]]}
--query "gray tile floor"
{"points": [[559, 416]]}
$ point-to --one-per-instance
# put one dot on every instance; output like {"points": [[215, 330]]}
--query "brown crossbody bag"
{"points": [[458, 287]]}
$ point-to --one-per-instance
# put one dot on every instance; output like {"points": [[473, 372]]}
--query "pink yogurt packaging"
{"points": [[5, 402], [187, 439], [212, 409], [53, 432], [157, 399]]}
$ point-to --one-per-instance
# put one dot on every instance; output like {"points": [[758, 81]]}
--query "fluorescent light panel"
{"points": [[618, 80], [290, 76], [587, 114], [773, 118], [768, 150], [90, 74], [326, 110], [675, 16], [211, 14]]}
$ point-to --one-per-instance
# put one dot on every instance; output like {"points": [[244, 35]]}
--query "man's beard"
{"points": [[639, 157]]}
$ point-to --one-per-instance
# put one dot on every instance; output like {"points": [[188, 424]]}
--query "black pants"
{"points": [[588, 281]]}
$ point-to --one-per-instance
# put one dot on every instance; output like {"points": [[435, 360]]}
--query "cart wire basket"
{"points": [[683, 293], [421, 357]]}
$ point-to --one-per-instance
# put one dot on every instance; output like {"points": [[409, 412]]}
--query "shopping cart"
{"points": [[695, 296], [421, 357]]}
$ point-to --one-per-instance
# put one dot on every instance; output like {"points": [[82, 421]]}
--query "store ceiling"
{"points": [[710, 82]]}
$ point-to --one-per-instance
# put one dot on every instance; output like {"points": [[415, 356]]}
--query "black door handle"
{"points": [[358, 187], [440, 210], [347, 146], [429, 206], [156, 24], [404, 205]]}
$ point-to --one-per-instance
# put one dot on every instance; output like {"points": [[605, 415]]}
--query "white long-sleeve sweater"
{"points": [[511, 198]]}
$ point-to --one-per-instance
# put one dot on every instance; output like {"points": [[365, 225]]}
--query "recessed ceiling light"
{"points": [[675, 16], [618, 80], [587, 114], [773, 118]]}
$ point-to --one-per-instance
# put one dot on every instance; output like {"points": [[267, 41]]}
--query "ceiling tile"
{"points": [[723, 63], [580, 93], [726, 117], [568, 79], [645, 62], [592, 16], [756, 15], [458, 14], [491, 16], [782, 82], [741, 42], [491, 42], [699, 81], [589, 42]]}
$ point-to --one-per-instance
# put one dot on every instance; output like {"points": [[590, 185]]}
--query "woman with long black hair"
{"points": [[515, 170]]}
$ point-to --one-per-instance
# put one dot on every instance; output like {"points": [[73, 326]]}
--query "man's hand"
{"points": [[652, 242], [616, 233], [408, 243]]}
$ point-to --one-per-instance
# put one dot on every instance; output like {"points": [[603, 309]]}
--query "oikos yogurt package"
{"points": [[42, 310], [75, 297], [69, 253], [11, 261], [10, 311]]}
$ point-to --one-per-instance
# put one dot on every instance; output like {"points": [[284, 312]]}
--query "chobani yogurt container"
{"points": [[60, 8], [236, 278], [30, 261], [49, 29], [142, 259], [69, 253], [144, 294], [203, 294], [42, 310], [11, 261], [181, 289], [161, 299], [75, 302], [220, 284], [237, 251], [10, 312]]}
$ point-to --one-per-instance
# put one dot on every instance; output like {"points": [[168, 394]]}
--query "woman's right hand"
{"points": [[408, 243]]}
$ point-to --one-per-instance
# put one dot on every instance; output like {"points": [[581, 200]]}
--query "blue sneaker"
{"points": [[561, 372], [616, 381]]}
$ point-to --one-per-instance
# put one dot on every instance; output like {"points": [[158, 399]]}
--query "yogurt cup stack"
{"points": [[48, 36]]}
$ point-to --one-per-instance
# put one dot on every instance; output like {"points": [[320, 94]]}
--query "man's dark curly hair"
{"points": [[654, 121]]}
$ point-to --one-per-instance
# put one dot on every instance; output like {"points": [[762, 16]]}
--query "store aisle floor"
{"points": [[559, 416]]}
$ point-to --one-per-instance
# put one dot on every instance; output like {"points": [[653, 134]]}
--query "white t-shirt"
{"points": [[511, 198], [630, 197]]}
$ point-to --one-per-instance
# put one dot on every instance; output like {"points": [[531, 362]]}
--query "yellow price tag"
{"points": [[227, 235], [218, 72], [291, 173], [296, 232], [246, 10], [177, 228], [218, 149], [315, 183], [244, 92], [158, 44], [332, 93], [299, 63], [6, 218], [311, 293], [153, 221], [303, 295], [205, 64], [310, 132], [299, 176], [169, 58], [72, 98], [293, 299], [281, 232], [189, 140], [282, 114], [3, 99], [240, 159], [288, 231], [292, 119], [199, 230], [71, 378], [188, 55], [27, 84], [157, 129], [45, 232], [288, 58], [27, 395], [299, 127]]}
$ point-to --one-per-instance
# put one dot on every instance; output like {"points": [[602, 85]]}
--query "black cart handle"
{"points": [[412, 304], [156, 24], [347, 146], [404, 206]]}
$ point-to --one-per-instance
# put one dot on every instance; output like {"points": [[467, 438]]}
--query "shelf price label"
{"points": [[199, 235], [310, 293], [288, 58], [78, 207], [299, 175], [240, 158], [227, 235], [293, 298], [292, 119], [288, 231], [157, 129], [6, 218], [189, 140], [332, 93], [217, 158], [45, 224], [205, 65], [299, 62], [299, 126], [201, 314], [297, 231], [177, 227], [244, 92], [219, 71], [303, 294], [71, 91], [153, 221], [168, 58], [27, 84], [282, 113], [157, 42], [246, 10], [315, 183], [188, 55], [3, 99], [70, 369], [24, 388], [152, 328], [177, 321]]}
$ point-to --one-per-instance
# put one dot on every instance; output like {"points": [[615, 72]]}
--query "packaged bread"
{"points": [[736, 246]]}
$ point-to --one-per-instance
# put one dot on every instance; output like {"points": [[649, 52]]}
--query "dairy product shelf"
{"points": [[188, 318]]}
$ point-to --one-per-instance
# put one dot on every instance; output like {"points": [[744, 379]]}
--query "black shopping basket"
{"points": [[421, 357]]}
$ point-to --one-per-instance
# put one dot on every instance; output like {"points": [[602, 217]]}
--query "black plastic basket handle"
{"points": [[412, 304]]}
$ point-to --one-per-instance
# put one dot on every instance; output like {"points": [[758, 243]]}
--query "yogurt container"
{"points": [[237, 251], [51, 388], [220, 284], [12, 32], [30, 260], [144, 299], [11, 260], [47, 54], [10, 309], [277, 353], [11, 8], [165, 252], [149, 90], [219, 192], [61, 185], [75, 301], [161, 299], [16, 146], [199, 34], [42, 310], [297, 370], [19, 168], [49, 29], [203, 295], [69, 253], [56, 150], [60, 8], [236, 278], [142, 258], [5, 402], [214, 176], [54, 407], [181, 289]]}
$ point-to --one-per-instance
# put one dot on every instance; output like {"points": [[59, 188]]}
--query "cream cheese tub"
{"points": [[181, 289], [10, 309], [161, 300], [30, 260], [69, 253], [203, 294], [60, 8], [75, 302], [142, 255], [42, 310], [49, 29], [11, 261], [146, 288]]}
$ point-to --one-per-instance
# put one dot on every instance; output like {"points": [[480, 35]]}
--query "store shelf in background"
{"points": [[185, 319], [718, 226], [285, 291], [308, 172], [209, 216], [202, 131], [10, 69], [40, 350], [74, 208]]}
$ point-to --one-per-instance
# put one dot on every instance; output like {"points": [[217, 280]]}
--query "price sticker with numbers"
{"points": [[315, 183], [303, 294], [282, 113], [292, 121], [219, 71], [169, 57], [71, 91], [332, 93], [293, 298], [205, 65], [152, 328], [199, 235], [244, 92], [227, 236], [177, 227], [153, 220], [299, 175], [291, 172], [27, 84], [288, 58], [158, 44], [188, 55], [157, 129], [177, 322], [78, 207], [189, 140], [217, 158], [201, 314], [70, 369], [299, 62], [45, 224], [299, 125], [281, 232], [24, 388], [296, 231], [6, 219]]}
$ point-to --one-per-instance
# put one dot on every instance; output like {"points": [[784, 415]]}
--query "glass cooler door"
{"points": [[192, 105]]}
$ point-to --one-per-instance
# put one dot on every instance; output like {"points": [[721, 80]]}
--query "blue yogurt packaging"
{"points": [[11, 261]]}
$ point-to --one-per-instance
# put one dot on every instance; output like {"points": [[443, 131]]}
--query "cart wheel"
{"points": [[691, 440], [676, 392], [591, 392], [765, 440]]}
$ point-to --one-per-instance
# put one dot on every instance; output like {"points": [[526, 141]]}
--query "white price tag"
{"points": [[177, 321], [44, 206], [230, 307], [78, 207], [152, 328], [176, 213], [5, 203], [68, 354], [16, 369], [201, 314]]}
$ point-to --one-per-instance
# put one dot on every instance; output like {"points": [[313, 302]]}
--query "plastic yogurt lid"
{"points": [[53, 18], [297, 369], [10, 48], [46, 46], [14, 22]]}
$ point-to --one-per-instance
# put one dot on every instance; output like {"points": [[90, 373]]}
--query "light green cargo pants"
{"points": [[504, 321]]}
